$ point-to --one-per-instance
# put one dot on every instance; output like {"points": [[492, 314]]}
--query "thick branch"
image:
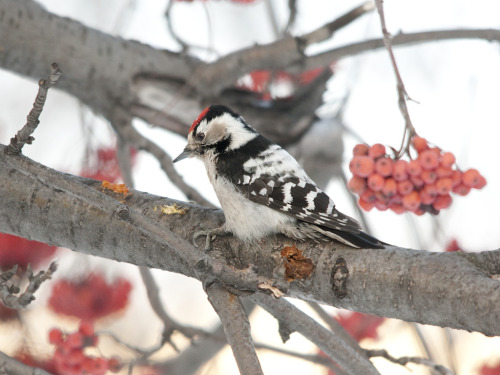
{"points": [[446, 289], [33, 38], [109, 65]]}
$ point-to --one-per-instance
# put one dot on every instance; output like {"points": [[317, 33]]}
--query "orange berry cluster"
{"points": [[69, 357], [420, 185]]}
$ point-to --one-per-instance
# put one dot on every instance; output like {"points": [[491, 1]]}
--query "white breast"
{"points": [[245, 219]]}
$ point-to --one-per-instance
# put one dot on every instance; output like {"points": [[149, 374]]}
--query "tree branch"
{"points": [[169, 325], [236, 327], [8, 291], [403, 361], [401, 39], [403, 96], [456, 290], [23, 136], [112, 64], [9, 365], [332, 345]]}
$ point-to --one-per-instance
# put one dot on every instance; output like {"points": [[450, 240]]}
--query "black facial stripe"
{"points": [[221, 146]]}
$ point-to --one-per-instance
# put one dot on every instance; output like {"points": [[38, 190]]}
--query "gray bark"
{"points": [[457, 290]]}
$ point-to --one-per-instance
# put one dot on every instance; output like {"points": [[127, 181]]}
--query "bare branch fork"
{"points": [[8, 290], [23, 136]]}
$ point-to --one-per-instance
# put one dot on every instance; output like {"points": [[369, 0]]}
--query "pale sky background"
{"points": [[455, 85]]}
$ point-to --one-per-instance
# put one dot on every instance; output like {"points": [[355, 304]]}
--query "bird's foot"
{"points": [[210, 234]]}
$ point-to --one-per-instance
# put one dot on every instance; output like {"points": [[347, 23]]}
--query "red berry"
{"points": [[376, 151], [428, 159], [396, 199], [461, 189], [405, 187], [444, 185], [366, 205], [95, 366], [480, 183], [473, 178], [419, 143], [426, 198], [56, 336], [444, 171], [419, 212], [399, 170], [390, 187], [397, 208], [361, 166], [411, 201], [86, 328], [414, 168], [417, 181], [357, 185], [369, 195], [75, 340], [447, 159], [75, 357], [114, 364], [360, 149], [429, 177], [442, 202], [453, 246], [381, 205], [375, 182], [431, 190], [383, 166]]}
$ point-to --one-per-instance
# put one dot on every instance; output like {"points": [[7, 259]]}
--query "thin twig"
{"points": [[170, 325], [313, 358], [173, 33], [403, 96], [8, 291], [335, 326], [23, 136], [292, 7], [403, 361], [326, 31]]}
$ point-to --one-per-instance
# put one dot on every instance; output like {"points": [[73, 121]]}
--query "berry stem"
{"points": [[403, 96]]}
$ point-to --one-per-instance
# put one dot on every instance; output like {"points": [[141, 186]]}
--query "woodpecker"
{"points": [[261, 188]]}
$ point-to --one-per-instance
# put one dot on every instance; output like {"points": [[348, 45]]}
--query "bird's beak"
{"points": [[188, 152]]}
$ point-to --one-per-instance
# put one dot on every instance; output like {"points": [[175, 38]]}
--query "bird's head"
{"points": [[216, 130]]}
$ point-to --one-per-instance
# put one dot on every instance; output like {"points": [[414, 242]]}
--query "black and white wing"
{"points": [[299, 198], [303, 200]]}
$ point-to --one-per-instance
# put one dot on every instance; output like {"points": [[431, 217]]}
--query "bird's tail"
{"points": [[358, 240]]}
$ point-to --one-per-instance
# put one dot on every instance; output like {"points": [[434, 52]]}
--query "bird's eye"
{"points": [[200, 136]]}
